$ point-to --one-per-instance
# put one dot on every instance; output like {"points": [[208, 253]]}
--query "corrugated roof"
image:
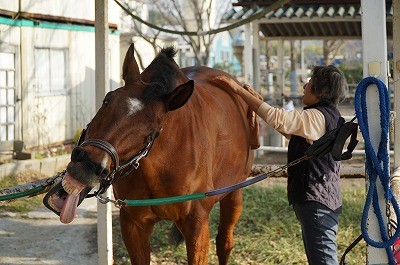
{"points": [[309, 20]]}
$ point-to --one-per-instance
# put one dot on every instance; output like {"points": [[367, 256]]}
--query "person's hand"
{"points": [[227, 82]]}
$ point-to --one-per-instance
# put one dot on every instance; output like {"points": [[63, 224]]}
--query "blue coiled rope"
{"points": [[377, 163]]}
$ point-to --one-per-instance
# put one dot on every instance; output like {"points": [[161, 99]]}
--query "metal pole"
{"points": [[281, 70], [104, 214], [373, 25], [248, 54], [395, 180], [256, 56], [396, 77]]}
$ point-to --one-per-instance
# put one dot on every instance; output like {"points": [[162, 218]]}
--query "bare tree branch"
{"points": [[330, 50], [200, 40]]}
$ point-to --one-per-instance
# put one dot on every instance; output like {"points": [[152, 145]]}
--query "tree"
{"points": [[186, 15], [148, 34], [330, 49]]}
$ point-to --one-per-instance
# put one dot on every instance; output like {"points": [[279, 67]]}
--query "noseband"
{"points": [[119, 169]]}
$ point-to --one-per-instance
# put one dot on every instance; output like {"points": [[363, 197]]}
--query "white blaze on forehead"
{"points": [[134, 105]]}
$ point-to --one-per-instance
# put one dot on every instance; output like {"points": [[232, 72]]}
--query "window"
{"points": [[50, 71], [7, 96], [225, 56]]}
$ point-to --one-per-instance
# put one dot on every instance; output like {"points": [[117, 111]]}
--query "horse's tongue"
{"points": [[68, 210]]}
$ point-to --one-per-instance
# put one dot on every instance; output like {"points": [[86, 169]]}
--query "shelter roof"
{"points": [[307, 19]]}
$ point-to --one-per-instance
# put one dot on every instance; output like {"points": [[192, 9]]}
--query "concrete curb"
{"points": [[47, 166]]}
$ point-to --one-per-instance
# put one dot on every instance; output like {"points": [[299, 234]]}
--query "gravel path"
{"points": [[40, 238]]}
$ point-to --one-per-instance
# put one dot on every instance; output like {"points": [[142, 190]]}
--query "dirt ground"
{"points": [[40, 238]]}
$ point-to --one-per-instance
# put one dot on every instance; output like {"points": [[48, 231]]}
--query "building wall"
{"points": [[56, 116], [223, 57], [72, 8], [11, 5]]}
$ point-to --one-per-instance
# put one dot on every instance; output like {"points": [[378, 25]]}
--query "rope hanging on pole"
{"points": [[377, 164], [258, 15]]}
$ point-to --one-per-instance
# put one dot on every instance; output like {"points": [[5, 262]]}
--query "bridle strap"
{"points": [[106, 147], [118, 169]]}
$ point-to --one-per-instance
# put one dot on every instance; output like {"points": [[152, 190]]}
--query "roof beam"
{"points": [[322, 29], [301, 2], [307, 20], [311, 37], [296, 29], [331, 30], [272, 29]]}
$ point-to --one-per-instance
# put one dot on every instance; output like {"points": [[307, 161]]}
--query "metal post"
{"points": [[395, 180], [256, 56], [281, 69], [373, 24], [293, 73], [276, 137], [104, 214], [396, 76], [248, 54]]}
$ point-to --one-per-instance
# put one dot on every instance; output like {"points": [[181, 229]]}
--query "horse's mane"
{"points": [[163, 75], [169, 52]]}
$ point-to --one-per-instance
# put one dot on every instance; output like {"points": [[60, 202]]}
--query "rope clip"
{"points": [[118, 203]]}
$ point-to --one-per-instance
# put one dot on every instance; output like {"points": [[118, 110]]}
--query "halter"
{"points": [[118, 171]]}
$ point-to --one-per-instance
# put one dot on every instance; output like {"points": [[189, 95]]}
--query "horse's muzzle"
{"points": [[64, 197]]}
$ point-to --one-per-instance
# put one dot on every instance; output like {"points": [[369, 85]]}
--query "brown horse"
{"points": [[205, 137]]}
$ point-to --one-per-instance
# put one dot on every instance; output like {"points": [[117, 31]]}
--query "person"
{"points": [[313, 186], [289, 105]]}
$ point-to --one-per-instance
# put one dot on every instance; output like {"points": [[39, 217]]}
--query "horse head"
{"points": [[122, 131]]}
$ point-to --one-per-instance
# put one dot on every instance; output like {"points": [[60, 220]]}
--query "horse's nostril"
{"points": [[106, 172], [78, 154], [103, 172]]}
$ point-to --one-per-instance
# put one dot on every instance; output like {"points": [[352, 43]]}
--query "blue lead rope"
{"points": [[377, 164]]}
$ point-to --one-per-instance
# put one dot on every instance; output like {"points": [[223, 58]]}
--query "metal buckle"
{"points": [[118, 203]]}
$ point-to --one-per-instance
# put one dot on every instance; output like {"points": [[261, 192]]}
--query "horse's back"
{"points": [[203, 75], [228, 131], [223, 105]]}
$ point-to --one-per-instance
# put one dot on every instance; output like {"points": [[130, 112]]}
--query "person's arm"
{"points": [[229, 84], [309, 123], [251, 100]]}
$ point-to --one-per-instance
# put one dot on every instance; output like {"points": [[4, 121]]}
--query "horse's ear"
{"points": [[179, 96], [130, 68]]}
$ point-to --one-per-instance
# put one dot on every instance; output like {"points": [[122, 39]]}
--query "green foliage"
{"points": [[77, 135], [267, 232], [353, 74]]}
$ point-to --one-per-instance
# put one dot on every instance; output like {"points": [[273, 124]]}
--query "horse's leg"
{"points": [[230, 210], [136, 235], [195, 229]]}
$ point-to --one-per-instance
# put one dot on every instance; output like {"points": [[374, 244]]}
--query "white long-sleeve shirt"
{"points": [[309, 123]]}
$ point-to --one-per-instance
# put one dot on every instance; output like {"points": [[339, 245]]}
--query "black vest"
{"points": [[315, 179]]}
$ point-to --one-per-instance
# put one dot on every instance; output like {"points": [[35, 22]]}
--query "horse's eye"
{"points": [[106, 100]]}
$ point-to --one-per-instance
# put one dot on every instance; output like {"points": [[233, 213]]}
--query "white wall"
{"points": [[11, 5], [53, 118], [56, 117], [72, 8]]}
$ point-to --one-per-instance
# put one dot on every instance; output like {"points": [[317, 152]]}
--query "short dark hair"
{"points": [[329, 84]]}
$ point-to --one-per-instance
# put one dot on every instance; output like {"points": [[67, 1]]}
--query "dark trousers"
{"points": [[319, 227]]}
